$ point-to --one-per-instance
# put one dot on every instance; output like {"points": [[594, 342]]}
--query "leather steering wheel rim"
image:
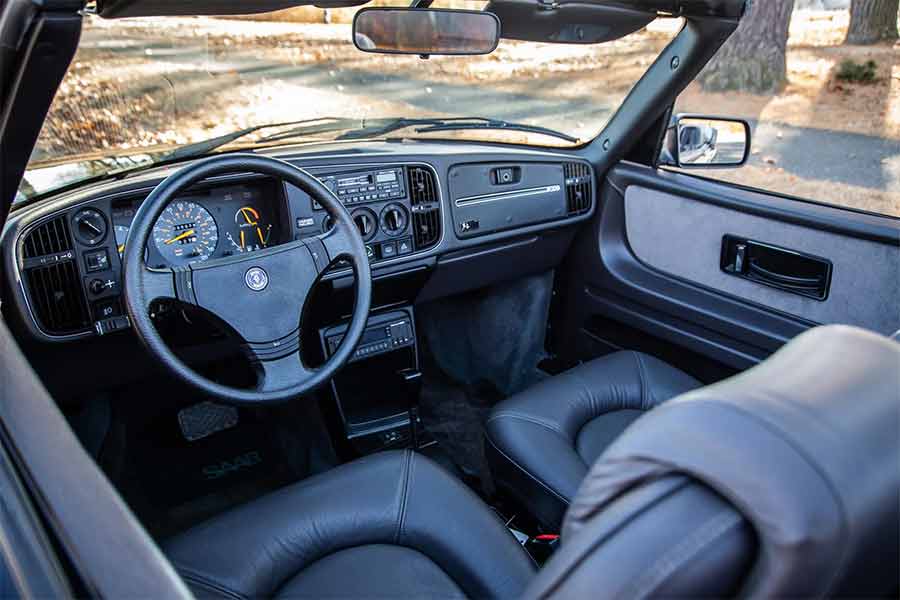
{"points": [[289, 271]]}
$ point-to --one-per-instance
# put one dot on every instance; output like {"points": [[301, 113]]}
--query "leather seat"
{"points": [[782, 482], [542, 441], [390, 525]]}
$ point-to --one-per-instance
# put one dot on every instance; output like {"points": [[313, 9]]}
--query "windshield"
{"points": [[140, 88]]}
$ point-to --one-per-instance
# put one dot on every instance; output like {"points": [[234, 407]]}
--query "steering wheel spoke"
{"points": [[166, 284], [338, 241], [284, 373]]}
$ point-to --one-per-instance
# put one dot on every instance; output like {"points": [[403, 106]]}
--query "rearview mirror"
{"points": [[425, 31], [696, 141]]}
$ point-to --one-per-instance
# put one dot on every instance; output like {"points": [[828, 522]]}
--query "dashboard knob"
{"points": [[90, 226], [365, 222], [394, 219]]}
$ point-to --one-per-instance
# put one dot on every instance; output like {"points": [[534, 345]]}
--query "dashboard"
{"points": [[208, 223], [463, 218]]}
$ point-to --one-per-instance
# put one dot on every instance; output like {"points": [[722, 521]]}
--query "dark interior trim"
{"points": [[76, 499]]}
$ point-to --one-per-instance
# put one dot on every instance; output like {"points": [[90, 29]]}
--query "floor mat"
{"points": [[190, 481], [455, 416], [477, 349]]}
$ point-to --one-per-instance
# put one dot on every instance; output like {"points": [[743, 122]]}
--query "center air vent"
{"points": [[426, 207], [52, 279], [578, 187]]}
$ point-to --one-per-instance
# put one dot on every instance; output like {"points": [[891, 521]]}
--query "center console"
{"points": [[371, 394]]}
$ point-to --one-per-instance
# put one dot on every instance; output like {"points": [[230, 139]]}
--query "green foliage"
{"points": [[854, 72]]}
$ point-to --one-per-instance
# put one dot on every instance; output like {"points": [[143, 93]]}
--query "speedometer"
{"points": [[184, 233]]}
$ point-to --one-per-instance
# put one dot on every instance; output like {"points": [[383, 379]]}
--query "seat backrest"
{"points": [[781, 481]]}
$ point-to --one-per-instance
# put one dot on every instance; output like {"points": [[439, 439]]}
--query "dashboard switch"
{"points": [[388, 249], [96, 260]]}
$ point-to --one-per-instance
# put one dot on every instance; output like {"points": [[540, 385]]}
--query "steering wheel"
{"points": [[260, 295]]}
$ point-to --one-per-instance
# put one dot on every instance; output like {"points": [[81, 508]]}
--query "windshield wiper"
{"points": [[207, 146], [368, 128], [357, 129], [459, 123]]}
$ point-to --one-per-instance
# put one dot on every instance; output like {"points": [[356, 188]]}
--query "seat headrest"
{"points": [[806, 446]]}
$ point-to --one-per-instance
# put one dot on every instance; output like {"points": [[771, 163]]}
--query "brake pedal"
{"points": [[206, 418]]}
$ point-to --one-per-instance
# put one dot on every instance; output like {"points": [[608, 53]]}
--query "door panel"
{"points": [[683, 237], [650, 262]]}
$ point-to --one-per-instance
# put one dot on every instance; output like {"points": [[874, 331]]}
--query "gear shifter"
{"points": [[412, 387]]}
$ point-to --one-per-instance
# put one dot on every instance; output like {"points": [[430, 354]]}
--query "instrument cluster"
{"points": [[211, 223]]}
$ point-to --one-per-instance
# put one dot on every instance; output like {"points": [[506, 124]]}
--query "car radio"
{"points": [[368, 186], [386, 336]]}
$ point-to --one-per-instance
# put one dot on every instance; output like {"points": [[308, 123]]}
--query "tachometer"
{"points": [[185, 232]]}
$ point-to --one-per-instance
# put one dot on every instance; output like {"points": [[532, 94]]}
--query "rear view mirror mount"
{"points": [[425, 31]]}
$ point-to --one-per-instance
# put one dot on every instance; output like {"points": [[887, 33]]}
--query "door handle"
{"points": [[785, 269], [787, 280]]}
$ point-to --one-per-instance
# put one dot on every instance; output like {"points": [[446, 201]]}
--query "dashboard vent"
{"points": [[578, 187], [426, 207], [57, 298], [50, 238]]}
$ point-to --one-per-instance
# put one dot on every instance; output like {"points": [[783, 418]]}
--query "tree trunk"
{"points": [[753, 59], [872, 21]]}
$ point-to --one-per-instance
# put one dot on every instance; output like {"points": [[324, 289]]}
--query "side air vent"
{"points": [[50, 238], [426, 207], [57, 299], [52, 279], [578, 187]]}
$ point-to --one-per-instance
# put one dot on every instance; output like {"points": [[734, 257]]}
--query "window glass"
{"points": [[139, 88], [828, 129]]}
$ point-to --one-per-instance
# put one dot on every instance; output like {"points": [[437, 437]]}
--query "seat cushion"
{"points": [[374, 571], [392, 507], [543, 441]]}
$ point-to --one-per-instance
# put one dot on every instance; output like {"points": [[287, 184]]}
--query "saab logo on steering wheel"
{"points": [[256, 279]]}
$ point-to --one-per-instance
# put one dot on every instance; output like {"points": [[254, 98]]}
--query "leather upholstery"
{"points": [[543, 441], [781, 482], [391, 524]]}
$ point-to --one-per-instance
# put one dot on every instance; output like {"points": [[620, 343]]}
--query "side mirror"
{"points": [[697, 141], [425, 31]]}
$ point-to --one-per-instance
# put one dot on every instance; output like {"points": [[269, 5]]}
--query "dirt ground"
{"points": [[814, 97]]}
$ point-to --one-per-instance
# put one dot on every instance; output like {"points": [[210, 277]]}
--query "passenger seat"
{"points": [[543, 441]]}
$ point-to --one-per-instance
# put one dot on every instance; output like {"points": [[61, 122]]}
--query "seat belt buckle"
{"points": [[541, 547]]}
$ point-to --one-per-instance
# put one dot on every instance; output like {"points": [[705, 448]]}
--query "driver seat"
{"points": [[781, 482], [389, 525]]}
